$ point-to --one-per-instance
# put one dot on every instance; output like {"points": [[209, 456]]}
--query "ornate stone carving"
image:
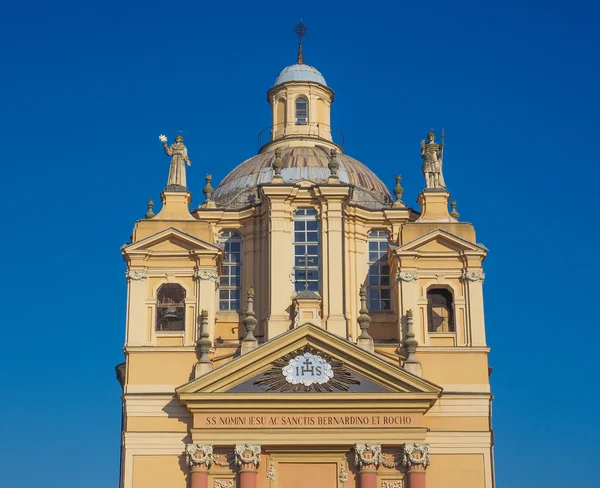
{"points": [[198, 454], [137, 274], [275, 377], [367, 454], [343, 473], [228, 483], [394, 462], [407, 276], [206, 274], [247, 454], [416, 455], [229, 460], [474, 275], [391, 483], [271, 472], [307, 369]]}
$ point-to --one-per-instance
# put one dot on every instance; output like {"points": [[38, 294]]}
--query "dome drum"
{"points": [[316, 130]]}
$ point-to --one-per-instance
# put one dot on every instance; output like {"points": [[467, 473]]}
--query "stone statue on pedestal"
{"points": [[432, 154], [179, 158]]}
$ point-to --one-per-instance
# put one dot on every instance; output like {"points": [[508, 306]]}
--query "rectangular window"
{"points": [[378, 279], [230, 281], [307, 252]]}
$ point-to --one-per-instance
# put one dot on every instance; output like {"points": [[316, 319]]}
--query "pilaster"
{"points": [[137, 291], [473, 281], [206, 281], [280, 263], [334, 197]]}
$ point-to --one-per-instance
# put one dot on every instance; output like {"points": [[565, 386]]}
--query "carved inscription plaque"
{"points": [[305, 421]]}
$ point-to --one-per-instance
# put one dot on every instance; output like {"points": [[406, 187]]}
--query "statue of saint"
{"points": [[432, 154], [179, 158]]}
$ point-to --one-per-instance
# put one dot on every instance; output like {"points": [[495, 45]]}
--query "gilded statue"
{"points": [[432, 154], [179, 158]]}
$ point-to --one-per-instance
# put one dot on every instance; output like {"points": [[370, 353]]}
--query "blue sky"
{"points": [[87, 89]]}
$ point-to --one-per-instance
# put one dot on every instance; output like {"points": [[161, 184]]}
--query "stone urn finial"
{"points": [[277, 164], [454, 214], [249, 342], [204, 344], [364, 320], [398, 190], [208, 189], [333, 165], [410, 344], [150, 213]]}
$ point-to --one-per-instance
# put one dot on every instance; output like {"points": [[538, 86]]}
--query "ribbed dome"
{"points": [[300, 72], [238, 188]]}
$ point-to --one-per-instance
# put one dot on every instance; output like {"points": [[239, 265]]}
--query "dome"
{"points": [[238, 189], [300, 72]]}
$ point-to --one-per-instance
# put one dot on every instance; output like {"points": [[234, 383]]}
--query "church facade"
{"points": [[302, 325]]}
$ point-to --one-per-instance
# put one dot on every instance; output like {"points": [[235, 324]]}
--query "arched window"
{"points": [[440, 310], [307, 252], [378, 280], [170, 309], [231, 277], [301, 111]]}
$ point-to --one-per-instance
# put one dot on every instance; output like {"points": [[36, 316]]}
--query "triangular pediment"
{"points": [[356, 370], [440, 240], [171, 240]]}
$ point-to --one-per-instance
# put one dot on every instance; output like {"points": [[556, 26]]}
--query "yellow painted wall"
{"points": [[456, 471], [158, 472], [295, 475], [162, 368], [447, 367]]}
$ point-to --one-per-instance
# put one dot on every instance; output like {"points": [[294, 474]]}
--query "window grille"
{"points": [[170, 309], [440, 310], [230, 281], [307, 252], [378, 279]]}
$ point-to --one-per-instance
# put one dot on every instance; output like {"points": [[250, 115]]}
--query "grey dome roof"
{"points": [[238, 189], [300, 72]]}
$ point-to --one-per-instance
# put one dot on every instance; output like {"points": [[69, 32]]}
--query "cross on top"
{"points": [[300, 30], [308, 367]]}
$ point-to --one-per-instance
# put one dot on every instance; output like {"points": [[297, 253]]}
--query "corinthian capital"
{"points": [[199, 454], [407, 276], [137, 275], [247, 454], [206, 274], [475, 275], [415, 456], [367, 455]]}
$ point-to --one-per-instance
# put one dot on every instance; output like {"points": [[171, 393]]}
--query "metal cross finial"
{"points": [[300, 30]]}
